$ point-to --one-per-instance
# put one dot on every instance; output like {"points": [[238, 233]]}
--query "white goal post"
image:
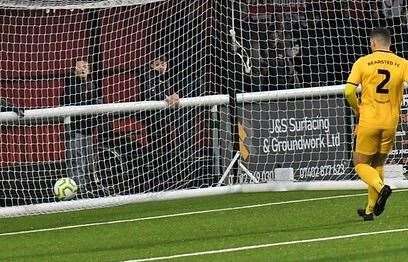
{"points": [[210, 100], [260, 104], [213, 100]]}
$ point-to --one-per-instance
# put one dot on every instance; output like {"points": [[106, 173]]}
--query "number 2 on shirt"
{"points": [[381, 88]]}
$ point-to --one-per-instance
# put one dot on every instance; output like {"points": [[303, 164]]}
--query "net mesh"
{"points": [[69, 53], [62, 57], [301, 44]]}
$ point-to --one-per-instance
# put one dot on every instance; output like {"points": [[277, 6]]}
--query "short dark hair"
{"points": [[382, 35]]}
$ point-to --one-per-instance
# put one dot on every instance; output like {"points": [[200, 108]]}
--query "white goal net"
{"points": [[90, 81]]}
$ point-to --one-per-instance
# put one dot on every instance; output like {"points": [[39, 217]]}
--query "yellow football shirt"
{"points": [[381, 75]]}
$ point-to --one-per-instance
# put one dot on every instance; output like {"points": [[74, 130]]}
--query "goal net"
{"points": [[259, 86]]}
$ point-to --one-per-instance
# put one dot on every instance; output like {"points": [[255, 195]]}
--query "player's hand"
{"points": [[18, 111], [173, 100]]}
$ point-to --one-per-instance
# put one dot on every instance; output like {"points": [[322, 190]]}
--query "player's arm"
{"points": [[350, 91]]}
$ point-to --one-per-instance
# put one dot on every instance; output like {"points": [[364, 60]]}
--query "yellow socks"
{"points": [[374, 178], [370, 176], [380, 170], [372, 199]]}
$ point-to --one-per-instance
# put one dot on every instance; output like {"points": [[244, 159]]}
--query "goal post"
{"points": [[260, 87], [320, 179]]}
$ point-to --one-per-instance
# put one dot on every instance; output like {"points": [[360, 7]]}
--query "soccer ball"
{"points": [[65, 188]]}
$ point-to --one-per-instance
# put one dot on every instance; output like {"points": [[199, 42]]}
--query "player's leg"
{"points": [[368, 143], [366, 147], [362, 166], [378, 164], [387, 142]]}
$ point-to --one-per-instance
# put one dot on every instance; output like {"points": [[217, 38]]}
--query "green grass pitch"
{"points": [[216, 230]]}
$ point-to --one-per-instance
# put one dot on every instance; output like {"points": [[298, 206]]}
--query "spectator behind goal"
{"points": [[80, 90], [160, 124]]}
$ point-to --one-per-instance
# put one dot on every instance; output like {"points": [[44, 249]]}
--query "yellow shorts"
{"points": [[373, 140]]}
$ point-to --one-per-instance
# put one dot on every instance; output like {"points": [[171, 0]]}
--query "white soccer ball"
{"points": [[65, 188]]}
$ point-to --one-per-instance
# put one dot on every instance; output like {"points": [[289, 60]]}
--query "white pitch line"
{"points": [[235, 249], [181, 214]]}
